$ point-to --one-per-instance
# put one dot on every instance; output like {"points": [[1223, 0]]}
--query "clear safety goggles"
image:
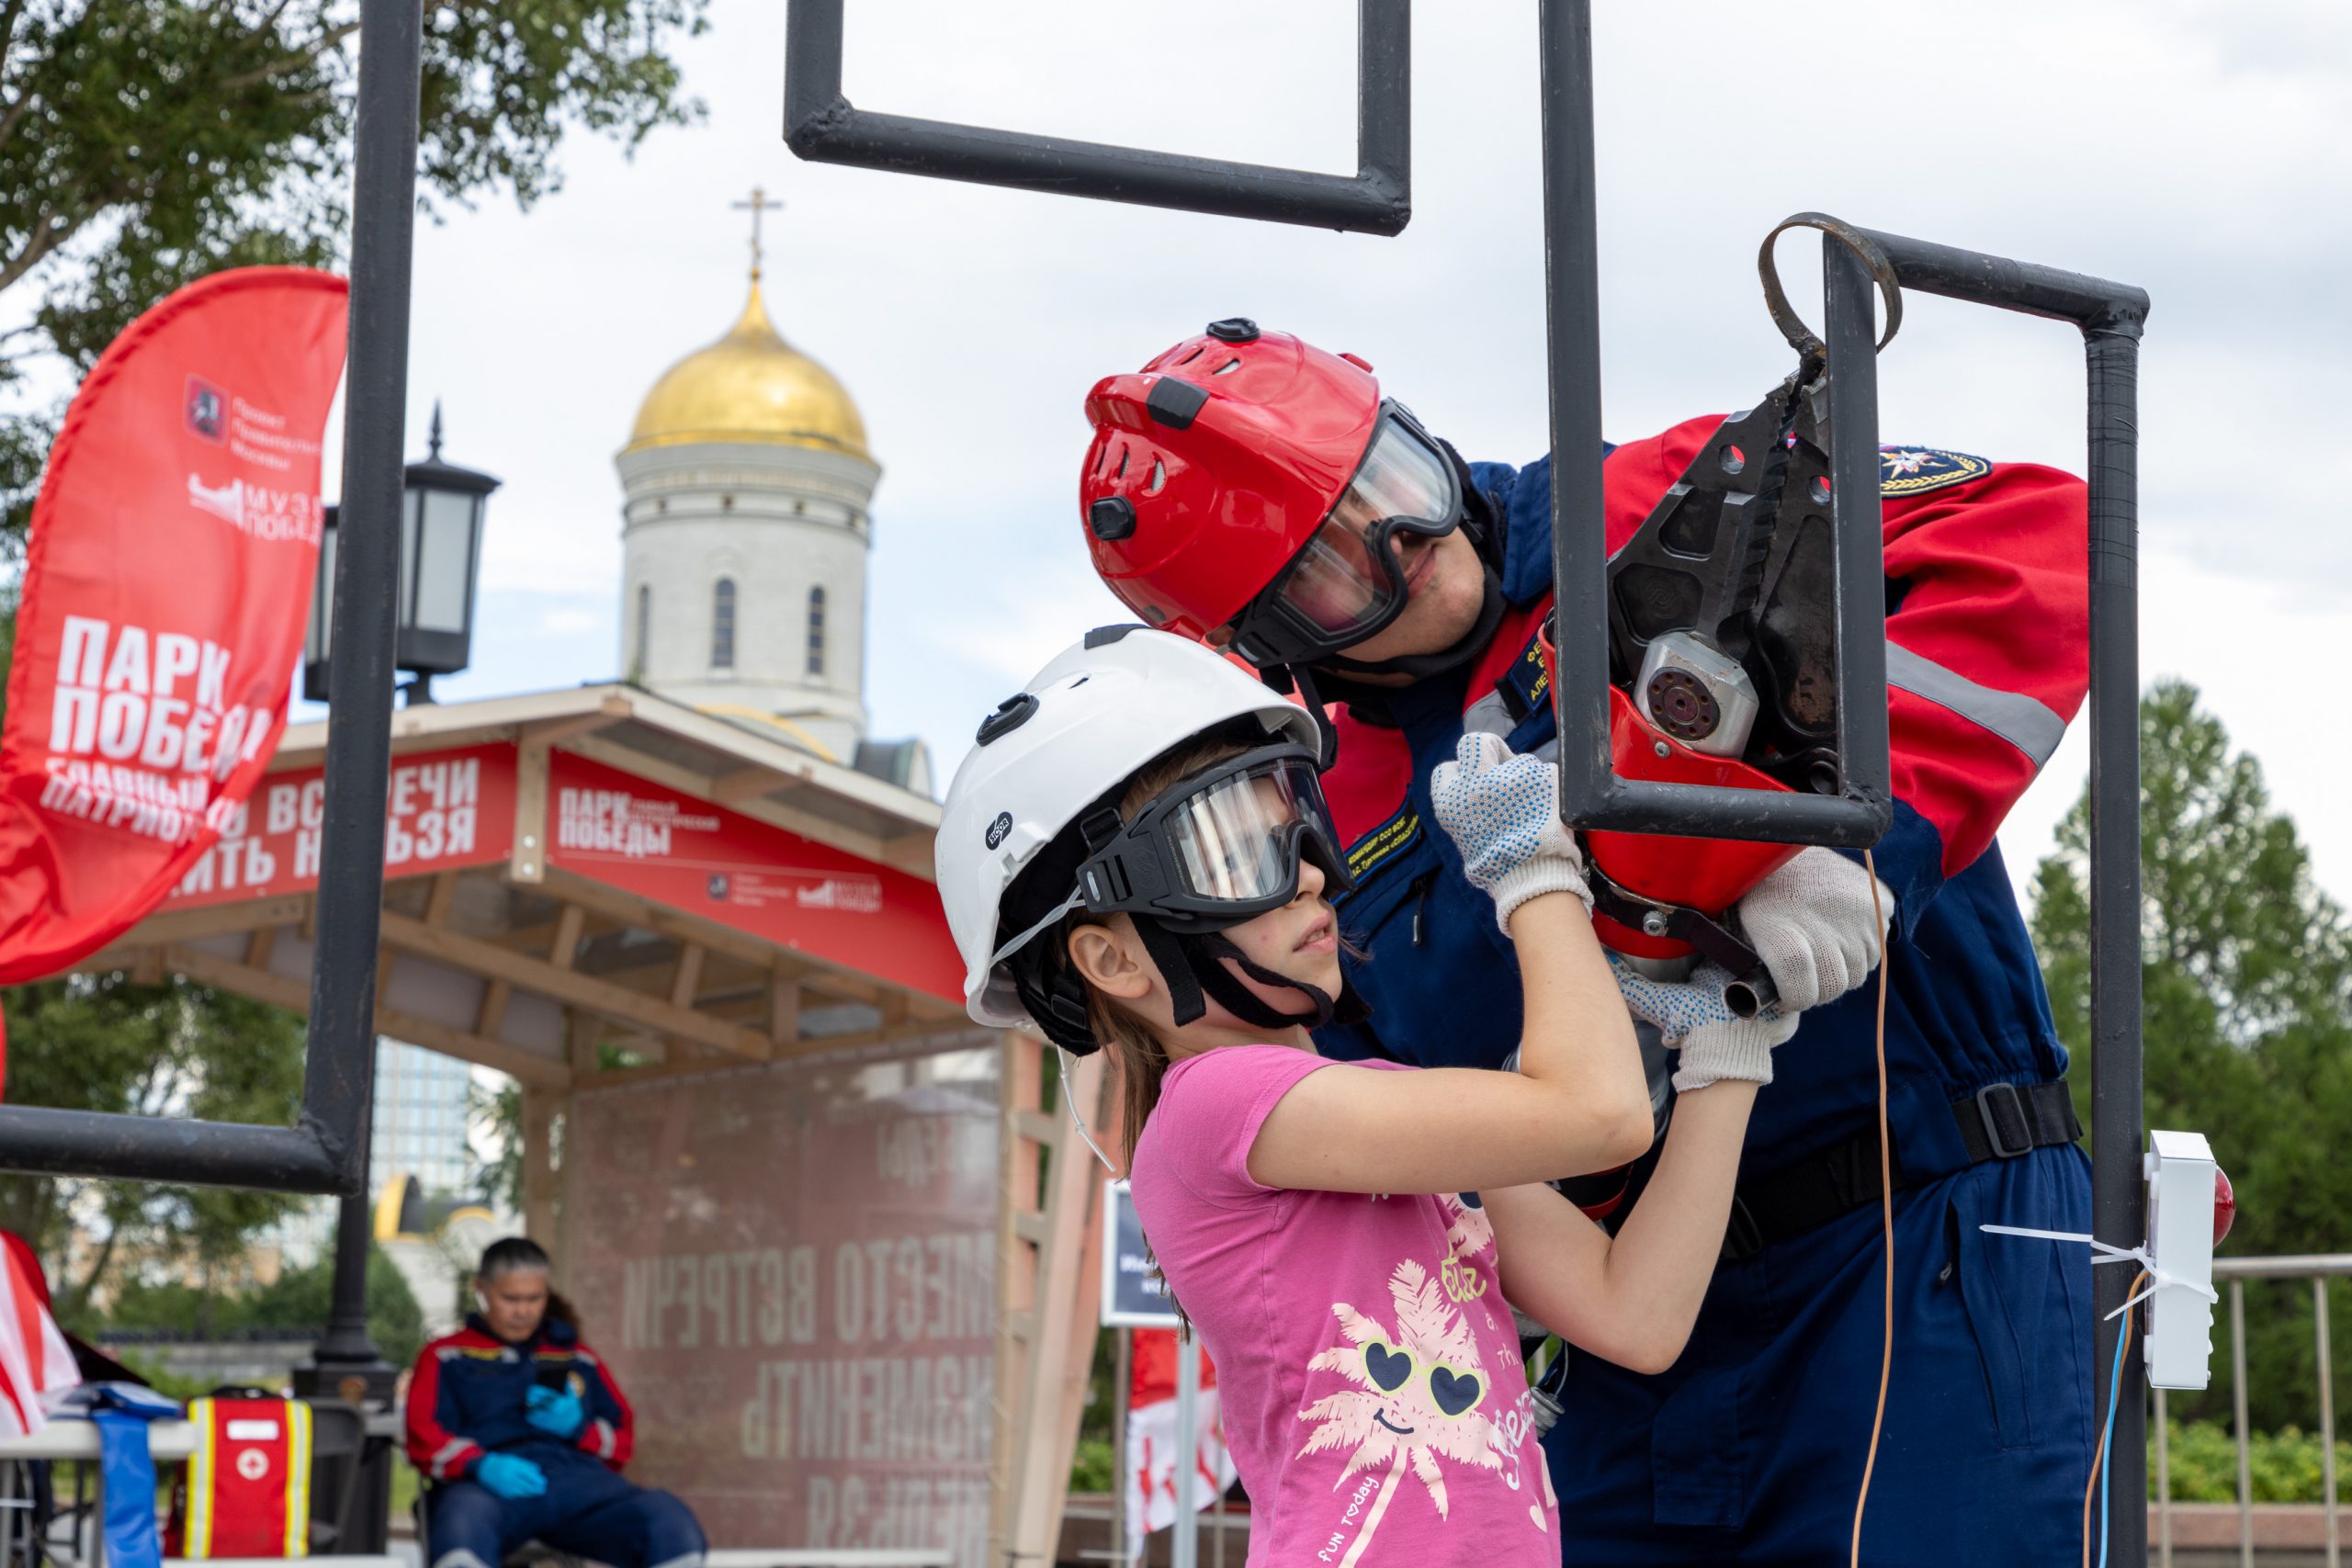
{"points": [[1210, 851], [1346, 583]]}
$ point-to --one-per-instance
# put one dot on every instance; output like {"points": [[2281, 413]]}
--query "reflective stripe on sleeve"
{"points": [[2023, 722]]}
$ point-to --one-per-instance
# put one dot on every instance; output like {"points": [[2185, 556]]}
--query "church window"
{"points": [[816, 631], [644, 629], [722, 625]]}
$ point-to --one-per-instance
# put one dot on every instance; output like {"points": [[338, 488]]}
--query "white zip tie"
{"points": [[2157, 1277]]}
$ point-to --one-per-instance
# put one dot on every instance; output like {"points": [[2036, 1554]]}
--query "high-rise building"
{"points": [[420, 1129]]}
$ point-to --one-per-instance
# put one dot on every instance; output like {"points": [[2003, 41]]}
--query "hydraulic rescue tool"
{"points": [[1723, 671]]}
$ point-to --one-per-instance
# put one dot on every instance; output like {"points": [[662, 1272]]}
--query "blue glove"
{"points": [[1693, 1016], [554, 1410], [510, 1476], [1503, 813]]}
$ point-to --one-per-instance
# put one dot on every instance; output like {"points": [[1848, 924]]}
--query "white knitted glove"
{"points": [[1811, 923], [1692, 1015], [1503, 813]]}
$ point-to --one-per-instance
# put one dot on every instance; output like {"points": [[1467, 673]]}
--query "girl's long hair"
{"points": [[1138, 1055]]}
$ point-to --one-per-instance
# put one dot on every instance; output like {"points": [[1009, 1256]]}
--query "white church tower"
{"points": [[744, 540]]}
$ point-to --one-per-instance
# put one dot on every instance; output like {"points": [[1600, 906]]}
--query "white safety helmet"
{"points": [[1052, 756]]}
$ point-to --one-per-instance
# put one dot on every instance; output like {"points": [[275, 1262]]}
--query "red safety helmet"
{"points": [[1215, 470]]}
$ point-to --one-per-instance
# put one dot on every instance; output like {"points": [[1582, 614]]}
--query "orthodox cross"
{"points": [[756, 205]]}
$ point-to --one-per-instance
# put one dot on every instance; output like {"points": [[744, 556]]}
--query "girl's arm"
{"points": [[1630, 1300], [1579, 1102]]}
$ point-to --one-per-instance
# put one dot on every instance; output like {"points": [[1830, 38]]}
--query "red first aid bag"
{"points": [[246, 1492]]}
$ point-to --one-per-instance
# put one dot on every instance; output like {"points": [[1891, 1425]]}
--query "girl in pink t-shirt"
{"points": [[1137, 857]]}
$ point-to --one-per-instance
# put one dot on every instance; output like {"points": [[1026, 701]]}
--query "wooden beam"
{"points": [[174, 926], [492, 1016], [259, 946], [783, 1010], [147, 967], [565, 947], [685, 980], [294, 996], [680, 925], [437, 903], [533, 747], [750, 784], [815, 1046], [495, 963]]}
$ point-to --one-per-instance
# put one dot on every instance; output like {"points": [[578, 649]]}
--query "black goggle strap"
{"points": [[1176, 968]]}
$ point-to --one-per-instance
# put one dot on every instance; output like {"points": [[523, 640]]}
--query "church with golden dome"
{"points": [[745, 529]]}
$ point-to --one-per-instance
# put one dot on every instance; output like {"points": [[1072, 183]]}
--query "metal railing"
{"points": [[2318, 1268]]}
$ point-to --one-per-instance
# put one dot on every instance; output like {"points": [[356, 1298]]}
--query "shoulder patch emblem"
{"points": [[1909, 470]]}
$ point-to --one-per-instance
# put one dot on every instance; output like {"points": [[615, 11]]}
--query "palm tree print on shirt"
{"points": [[1418, 1394]]}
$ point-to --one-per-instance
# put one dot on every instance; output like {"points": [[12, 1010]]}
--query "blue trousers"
{"points": [[586, 1510], [1749, 1449]]}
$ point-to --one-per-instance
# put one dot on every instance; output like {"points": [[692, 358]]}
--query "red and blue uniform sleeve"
{"points": [[610, 1431], [1989, 639], [435, 1449]]}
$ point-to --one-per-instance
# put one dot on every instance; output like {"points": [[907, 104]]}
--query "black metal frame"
{"points": [[822, 126], [326, 1150]]}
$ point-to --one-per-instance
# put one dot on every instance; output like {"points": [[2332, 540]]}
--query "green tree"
{"points": [[495, 1118], [102, 1043], [297, 1300], [2247, 981], [144, 144]]}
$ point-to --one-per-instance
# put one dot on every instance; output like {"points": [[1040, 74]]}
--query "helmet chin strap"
{"points": [[1195, 975]]}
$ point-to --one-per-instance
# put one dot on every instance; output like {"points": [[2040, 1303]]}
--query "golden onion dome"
{"points": [[749, 386]]}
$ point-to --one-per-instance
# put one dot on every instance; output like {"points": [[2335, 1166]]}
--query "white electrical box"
{"points": [[2179, 1346]]}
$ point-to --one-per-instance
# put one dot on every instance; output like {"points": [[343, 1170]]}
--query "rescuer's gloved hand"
{"points": [[1812, 924], [1503, 813], [510, 1476], [553, 1410], [1692, 1016]]}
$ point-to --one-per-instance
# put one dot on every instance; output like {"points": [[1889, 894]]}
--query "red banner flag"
{"points": [[173, 547]]}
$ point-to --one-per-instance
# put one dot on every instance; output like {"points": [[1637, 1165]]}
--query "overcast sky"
{"points": [[2203, 152]]}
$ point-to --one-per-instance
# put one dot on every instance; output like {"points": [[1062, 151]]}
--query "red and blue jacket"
{"points": [[1987, 661], [467, 1393]]}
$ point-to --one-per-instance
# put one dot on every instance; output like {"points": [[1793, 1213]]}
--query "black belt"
{"points": [[2001, 1121]]}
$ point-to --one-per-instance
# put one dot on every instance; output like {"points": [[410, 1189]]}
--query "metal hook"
{"points": [[1874, 260]]}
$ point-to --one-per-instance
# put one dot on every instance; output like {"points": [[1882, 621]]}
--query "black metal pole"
{"points": [[821, 125], [1572, 307], [360, 677], [2118, 1190], [1852, 342], [359, 681]]}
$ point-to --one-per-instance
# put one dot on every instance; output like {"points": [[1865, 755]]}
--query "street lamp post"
{"points": [[440, 555], [440, 561]]}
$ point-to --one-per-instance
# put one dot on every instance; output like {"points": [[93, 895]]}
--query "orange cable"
{"points": [[2098, 1455], [1886, 1213]]}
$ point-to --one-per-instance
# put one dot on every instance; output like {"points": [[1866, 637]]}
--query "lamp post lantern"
{"points": [[440, 561]]}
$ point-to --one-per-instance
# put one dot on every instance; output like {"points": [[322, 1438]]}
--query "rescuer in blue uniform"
{"points": [[522, 1433], [1250, 489]]}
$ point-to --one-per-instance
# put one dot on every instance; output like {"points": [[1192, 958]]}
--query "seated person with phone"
{"points": [[521, 1433]]}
